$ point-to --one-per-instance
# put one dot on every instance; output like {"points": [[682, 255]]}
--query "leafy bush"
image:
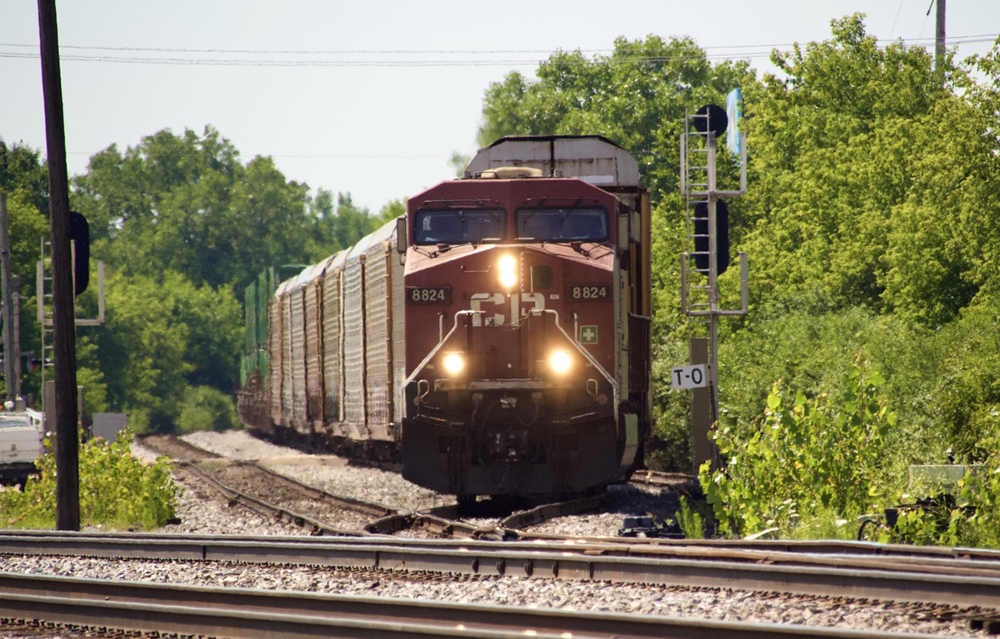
{"points": [[972, 518], [815, 459], [206, 408], [117, 490]]}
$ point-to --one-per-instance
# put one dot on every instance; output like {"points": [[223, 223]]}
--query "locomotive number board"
{"points": [[581, 293], [428, 295]]}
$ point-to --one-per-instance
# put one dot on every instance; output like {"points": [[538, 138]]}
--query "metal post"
{"points": [[713, 287], [9, 356], [64, 338]]}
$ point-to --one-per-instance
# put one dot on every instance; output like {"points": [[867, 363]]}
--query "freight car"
{"points": [[496, 339]]}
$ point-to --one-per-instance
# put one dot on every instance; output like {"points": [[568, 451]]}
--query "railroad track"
{"points": [[224, 612], [258, 488], [958, 582]]}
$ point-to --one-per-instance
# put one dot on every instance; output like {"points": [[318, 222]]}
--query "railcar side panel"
{"points": [[314, 348], [332, 345], [287, 364], [275, 345], [354, 348], [398, 306], [378, 377], [296, 319]]}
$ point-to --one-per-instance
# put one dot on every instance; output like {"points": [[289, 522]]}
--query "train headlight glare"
{"points": [[560, 362], [507, 268], [454, 363]]}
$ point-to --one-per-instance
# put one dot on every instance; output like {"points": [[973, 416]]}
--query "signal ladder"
{"points": [[43, 280], [45, 309]]}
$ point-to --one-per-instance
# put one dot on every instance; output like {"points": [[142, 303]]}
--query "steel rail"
{"points": [[895, 583], [161, 445], [265, 509], [760, 551], [357, 505], [261, 613]]}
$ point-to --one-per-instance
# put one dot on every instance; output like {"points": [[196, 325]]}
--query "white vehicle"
{"points": [[21, 435]]}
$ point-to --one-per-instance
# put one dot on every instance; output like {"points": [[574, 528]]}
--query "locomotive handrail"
{"points": [[590, 358], [430, 356]]}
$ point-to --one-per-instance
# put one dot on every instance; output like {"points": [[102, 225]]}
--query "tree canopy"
{"points": [[181, 223]]}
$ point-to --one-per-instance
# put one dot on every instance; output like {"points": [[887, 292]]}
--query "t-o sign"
{"points": [[694, 376]]}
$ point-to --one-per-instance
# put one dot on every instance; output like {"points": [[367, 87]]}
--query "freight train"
{"points": [[495, 339]]}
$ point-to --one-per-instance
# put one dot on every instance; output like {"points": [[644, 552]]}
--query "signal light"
{"points": [[713, 119], [79, 232], [721, 237]]}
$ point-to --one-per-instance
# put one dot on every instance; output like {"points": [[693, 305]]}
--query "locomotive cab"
{"points": [[527, 321]]}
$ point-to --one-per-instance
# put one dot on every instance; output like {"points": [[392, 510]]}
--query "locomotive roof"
{"points": [[591, 158]]}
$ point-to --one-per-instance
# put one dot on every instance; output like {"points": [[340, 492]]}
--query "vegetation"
{"points": [[117, 491], [181, 224], [871, 223]]}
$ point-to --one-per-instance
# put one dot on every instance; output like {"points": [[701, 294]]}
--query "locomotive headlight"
{"points": [[560, 362], [507, 268], [454, 363]]}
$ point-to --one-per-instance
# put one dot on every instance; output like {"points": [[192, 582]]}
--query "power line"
{"points": [[413, 51], [747, 51]]}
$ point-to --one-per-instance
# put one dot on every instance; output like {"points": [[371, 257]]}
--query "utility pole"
{"points": [[64, 336], [9, 354], [939, 35]]}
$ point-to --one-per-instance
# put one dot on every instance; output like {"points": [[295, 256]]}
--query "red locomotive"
{"points": [[523, 311]]}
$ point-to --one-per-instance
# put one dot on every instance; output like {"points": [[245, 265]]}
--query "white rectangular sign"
{"points": [[694, 376]]}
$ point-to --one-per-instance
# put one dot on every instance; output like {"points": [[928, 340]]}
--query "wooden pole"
{"points": [[64, 336]]}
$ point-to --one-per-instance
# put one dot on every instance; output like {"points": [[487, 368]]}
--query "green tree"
{"points": [[160, 336], [870, 178], [22, 171], [188, 204], [24, 180], [342, 226]]}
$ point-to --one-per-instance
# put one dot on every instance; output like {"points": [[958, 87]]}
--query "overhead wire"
{"points": [[739, 52]]}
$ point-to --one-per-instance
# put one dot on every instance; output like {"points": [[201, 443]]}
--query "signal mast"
{"points": [[707, 233]]}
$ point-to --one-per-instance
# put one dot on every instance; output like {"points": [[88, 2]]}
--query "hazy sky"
{"points": [[369, 97]]}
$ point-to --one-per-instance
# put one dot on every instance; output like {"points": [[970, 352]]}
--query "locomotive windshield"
{"points": [[460, 226], [562, 225]]}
